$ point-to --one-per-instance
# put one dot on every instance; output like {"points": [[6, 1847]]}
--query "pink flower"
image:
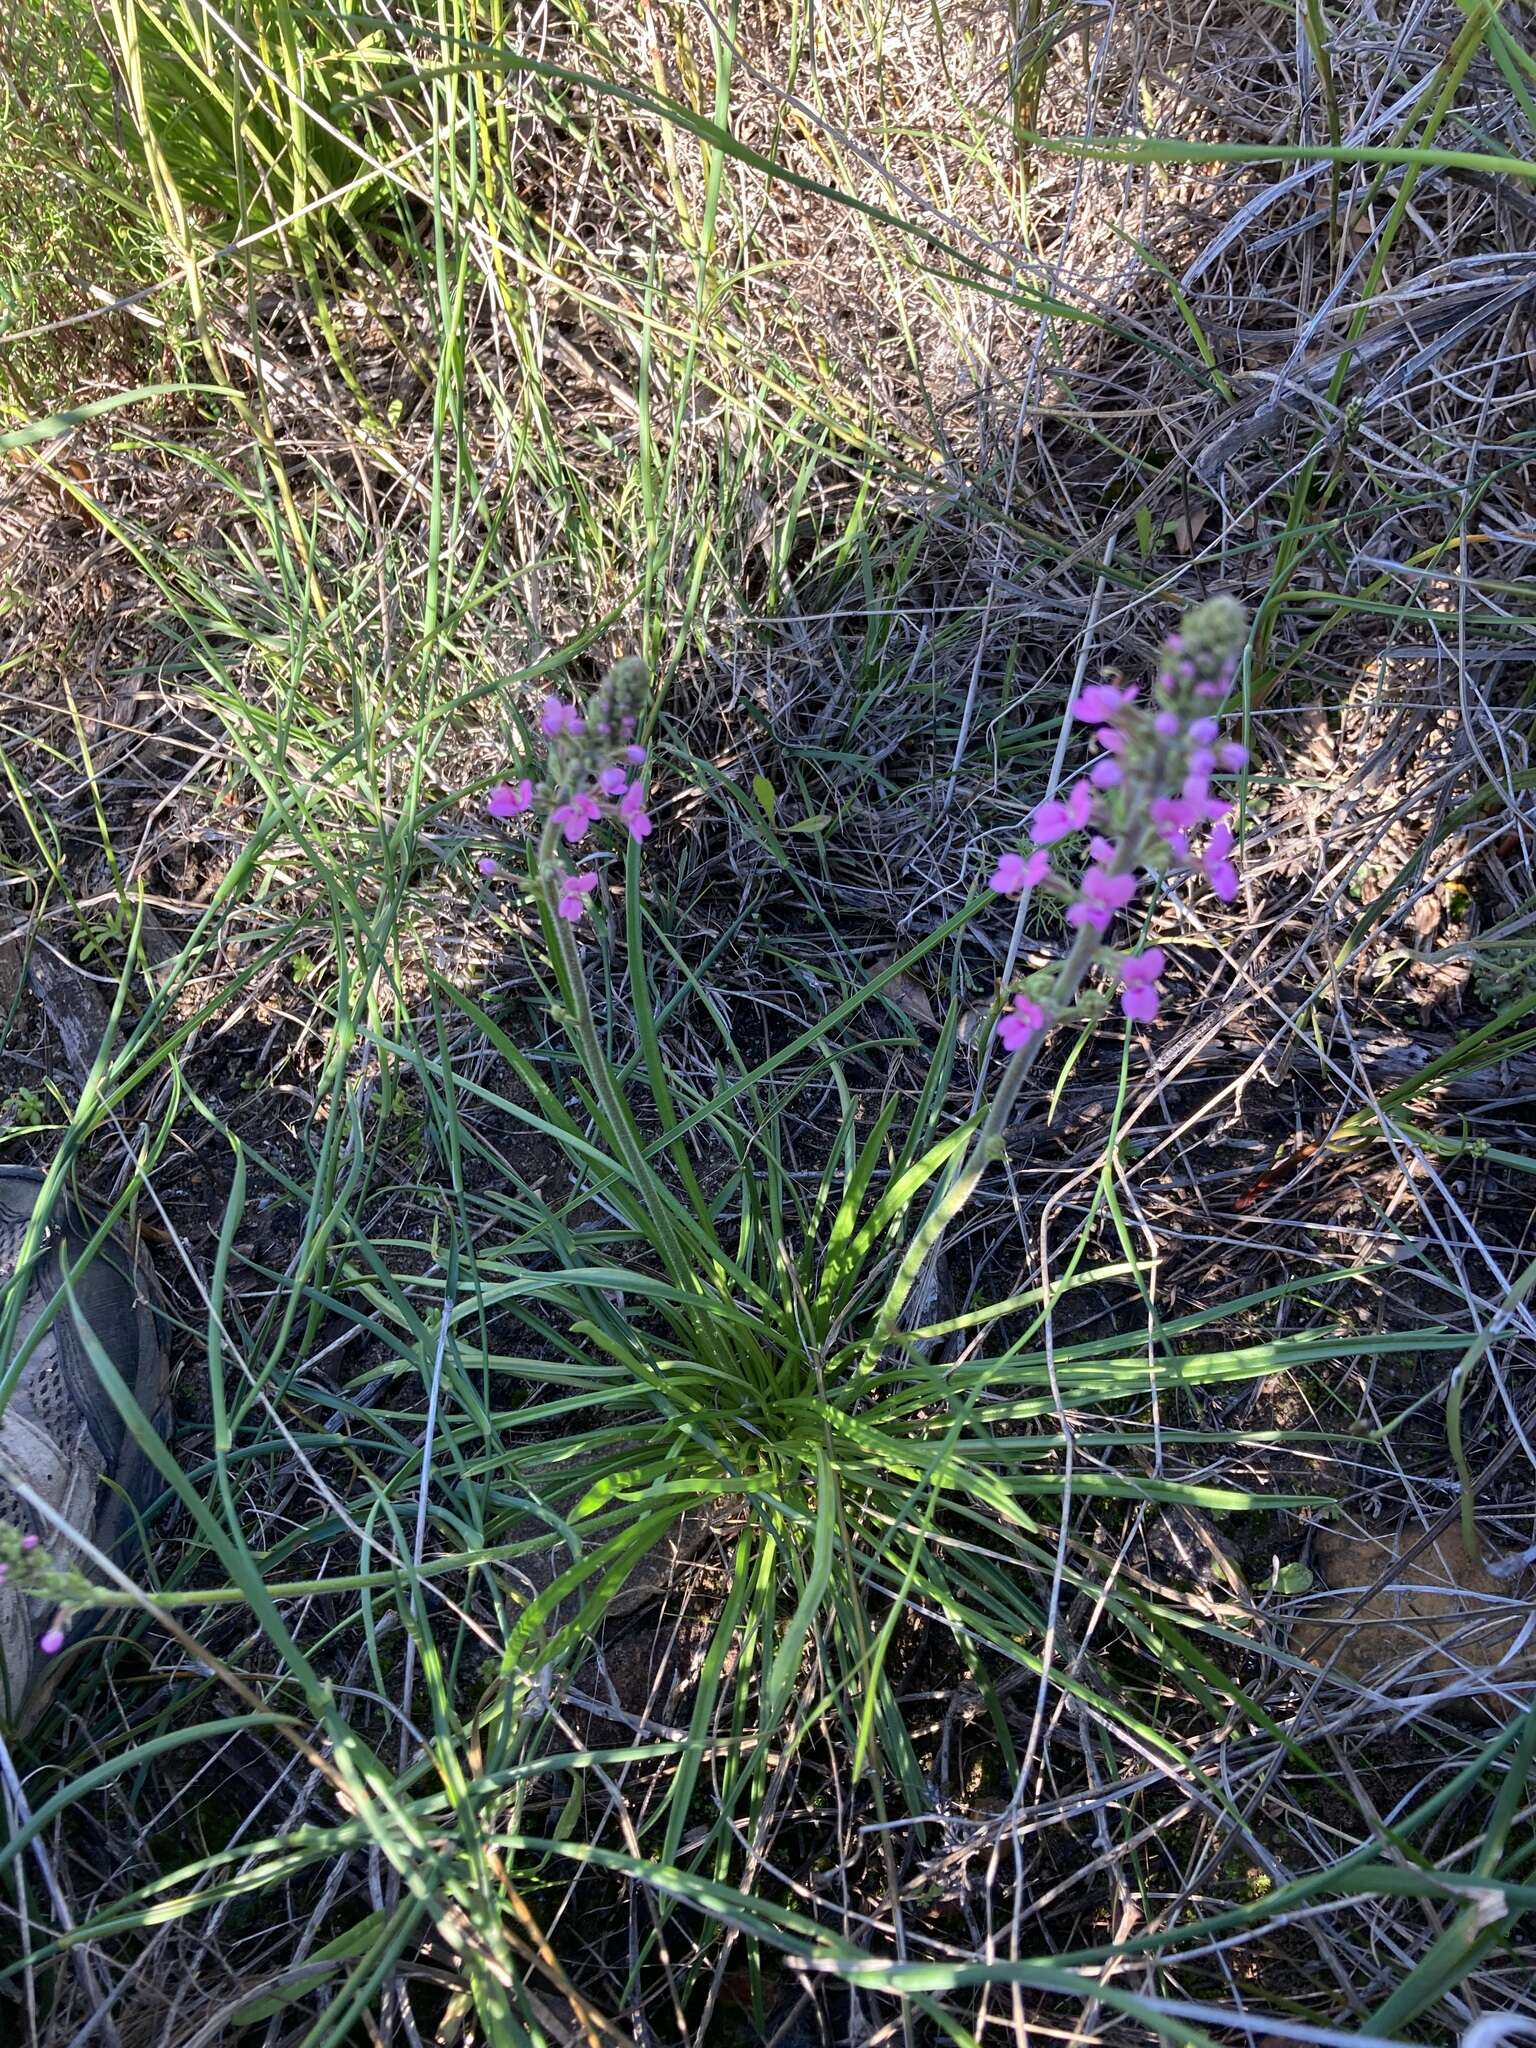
{"points": [[1166, 725], [561, 718], [1233, 757], [1103, 894], [1110, 739], [1106, 774], [613, 782], [1204, 731], [1139, 977], [29, 1541], [51, 1642], [1102, 850], [574, 817], [632, 811], [487, 866], [1097, 703], [1054, 819], [1216, 863], [510, 799], [635, 756], [1014, 872], [1017, 1026], [1176, 813], [574, 891]]}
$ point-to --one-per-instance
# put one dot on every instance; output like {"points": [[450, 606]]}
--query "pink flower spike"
{"points": [[487, 866], [1018, 1025], [613, 782], [510, 799], [1106, 774], [1233, 757], [560, 718], [1098, 703], [574, 891], [51, 1642]]}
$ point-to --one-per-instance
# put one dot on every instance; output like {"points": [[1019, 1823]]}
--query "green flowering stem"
{"points": [[575, 1015], [987, 1145], [986, 1148]]}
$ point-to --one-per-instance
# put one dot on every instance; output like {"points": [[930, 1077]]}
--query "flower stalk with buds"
{"points": [[593, 776], [1145, 801]]}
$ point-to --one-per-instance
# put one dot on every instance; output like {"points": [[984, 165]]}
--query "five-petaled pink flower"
{"points": [[1056, 817], [573, 817], [1016, 871], [1018, 1025], [510, 799], [574, 891], [632, 811], [1139, 977], [1102, 895], [1097, 703], [561, 719]]}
